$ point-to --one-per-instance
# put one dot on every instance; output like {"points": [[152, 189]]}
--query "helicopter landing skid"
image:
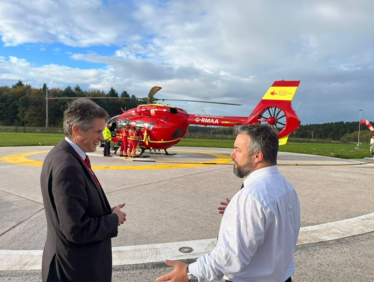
{"points": [[154, 152], [167, 153]]}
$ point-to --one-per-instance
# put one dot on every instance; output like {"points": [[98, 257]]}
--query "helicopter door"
{"points": [[113, 125]]}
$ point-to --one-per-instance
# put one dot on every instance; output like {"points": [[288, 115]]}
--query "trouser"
{"points": [[106, 148], [132, 147], [123, 150]]}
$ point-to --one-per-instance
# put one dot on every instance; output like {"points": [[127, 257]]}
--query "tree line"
{"points": [[22, 105]]}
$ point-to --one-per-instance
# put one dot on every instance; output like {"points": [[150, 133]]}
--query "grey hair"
{"points": [[82, 112], [262, 138]]}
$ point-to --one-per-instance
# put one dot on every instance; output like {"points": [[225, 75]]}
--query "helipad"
{"points": [[173, 208]]}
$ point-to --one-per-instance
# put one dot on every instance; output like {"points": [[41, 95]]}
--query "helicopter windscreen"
{"points": [[150, 125], [139, 124], [122, 122]]}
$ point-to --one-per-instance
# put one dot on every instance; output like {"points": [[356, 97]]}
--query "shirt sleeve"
{"points": [[242, 231]]}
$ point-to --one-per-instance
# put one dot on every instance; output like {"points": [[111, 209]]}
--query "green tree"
{"points": [[124, 94], [112, 93], [18, 84], [35, 114], [68, 92]]}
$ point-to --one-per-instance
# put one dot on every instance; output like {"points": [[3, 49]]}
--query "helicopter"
{"points": [[163, 126]]}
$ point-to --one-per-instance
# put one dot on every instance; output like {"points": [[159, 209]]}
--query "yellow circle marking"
{"points": [[21, 159]]}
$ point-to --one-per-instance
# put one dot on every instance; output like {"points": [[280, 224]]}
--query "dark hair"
{"points": [[262, 138], [82, 112]]}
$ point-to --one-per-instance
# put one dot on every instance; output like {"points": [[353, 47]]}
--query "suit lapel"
{"points": [[66, 146]]}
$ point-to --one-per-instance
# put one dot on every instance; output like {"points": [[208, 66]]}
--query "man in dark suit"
{"points": [[80, 221]]}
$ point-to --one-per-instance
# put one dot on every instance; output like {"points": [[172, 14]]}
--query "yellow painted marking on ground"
{"points": [[21, 159]]}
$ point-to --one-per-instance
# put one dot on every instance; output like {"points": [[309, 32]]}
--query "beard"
{"points": [[242, 171]]}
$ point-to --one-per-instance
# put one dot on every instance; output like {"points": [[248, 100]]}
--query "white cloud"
{"points": [[229, 51]]}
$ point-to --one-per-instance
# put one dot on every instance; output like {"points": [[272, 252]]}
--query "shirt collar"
{"points": [[76, 148], [260, 172]]}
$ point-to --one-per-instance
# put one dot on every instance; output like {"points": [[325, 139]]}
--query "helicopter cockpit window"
{"points": [[150, 125], [122, 122], [173, 110], [139, 124]]}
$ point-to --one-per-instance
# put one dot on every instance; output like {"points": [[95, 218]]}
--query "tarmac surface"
{"points": [[171, 202]]}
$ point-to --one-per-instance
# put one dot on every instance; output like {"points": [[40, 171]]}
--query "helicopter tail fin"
{"points": [[282, 91], [275, 109], [283, 140]]}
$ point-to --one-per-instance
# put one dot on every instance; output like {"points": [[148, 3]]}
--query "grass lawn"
{"points": [[345, 151], [10, 139]]}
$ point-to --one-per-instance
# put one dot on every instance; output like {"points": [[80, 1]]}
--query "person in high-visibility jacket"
{"points": [[133, 141], [107, 138], [125, 142]]}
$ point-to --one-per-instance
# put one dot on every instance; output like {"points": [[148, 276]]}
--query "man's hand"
{"points": [[222, 209], [121, 215], [179, 274]]}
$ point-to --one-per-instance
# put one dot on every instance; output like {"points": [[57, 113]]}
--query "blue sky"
{"points": [[228, 51], [56, 53]]}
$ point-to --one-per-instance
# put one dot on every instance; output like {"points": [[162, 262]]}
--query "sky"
{"points": [[222, 51]]}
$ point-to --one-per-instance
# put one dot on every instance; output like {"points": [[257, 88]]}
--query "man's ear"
{"points": [[259, 156], [75, 129]]}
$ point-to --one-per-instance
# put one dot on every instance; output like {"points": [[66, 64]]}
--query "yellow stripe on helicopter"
{"points": [[147, 140]]}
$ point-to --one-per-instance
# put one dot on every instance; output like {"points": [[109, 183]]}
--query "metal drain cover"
{"points": [[185, 250]]}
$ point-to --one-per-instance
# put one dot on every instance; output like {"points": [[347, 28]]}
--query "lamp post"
{"points": [[46, 106], [359, 127]]}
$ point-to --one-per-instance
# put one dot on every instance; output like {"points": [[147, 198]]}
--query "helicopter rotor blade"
{"points": [[197, 101], [87, 97], [153, 92]]}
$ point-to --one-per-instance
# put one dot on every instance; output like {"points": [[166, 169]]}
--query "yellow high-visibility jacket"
{"points": [[107, 134]]}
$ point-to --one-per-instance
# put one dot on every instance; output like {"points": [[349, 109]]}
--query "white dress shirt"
{"points": [[258, 233], [76, 148]]}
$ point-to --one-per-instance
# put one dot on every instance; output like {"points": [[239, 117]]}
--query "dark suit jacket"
{"points": [[80, 224]]}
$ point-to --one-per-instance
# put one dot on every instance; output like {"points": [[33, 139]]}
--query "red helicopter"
{"points": [[163, 126]]}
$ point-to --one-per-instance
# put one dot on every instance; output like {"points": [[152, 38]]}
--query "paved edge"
{"points": [[154, 254]]}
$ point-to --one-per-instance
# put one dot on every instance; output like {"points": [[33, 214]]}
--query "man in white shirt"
{"points": [[260, 225]]}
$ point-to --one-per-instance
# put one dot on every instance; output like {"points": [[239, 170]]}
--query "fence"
{"points": [[24, 129]]}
